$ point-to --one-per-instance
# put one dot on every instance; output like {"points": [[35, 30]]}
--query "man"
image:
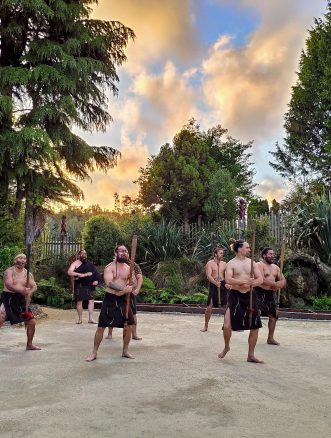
{"points": [[238, 275], [215, 270], [86, 278], [137, 283], [116, 277], [16, 294], [266, 293]]}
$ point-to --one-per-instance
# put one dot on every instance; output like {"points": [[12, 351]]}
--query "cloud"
{"points": [[169, 101], [272, 188], [119, 179], [164, 29], [248, 87]]}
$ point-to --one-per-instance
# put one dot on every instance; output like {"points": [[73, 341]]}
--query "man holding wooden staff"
{"points": [[217, 294], [19, 285], [242, 274], [113, 311], [273, 280]]}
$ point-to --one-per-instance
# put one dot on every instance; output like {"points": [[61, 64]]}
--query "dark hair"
{"points": [[264, 251], [217, 248], [237, 244], [117, 246]]}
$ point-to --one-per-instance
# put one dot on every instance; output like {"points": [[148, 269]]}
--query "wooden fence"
{"points": [[55, 246], [278, 227]]}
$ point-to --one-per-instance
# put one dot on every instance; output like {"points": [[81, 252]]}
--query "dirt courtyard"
{"points": [[176, 386]]}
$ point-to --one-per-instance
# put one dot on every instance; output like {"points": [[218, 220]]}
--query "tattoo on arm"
{"points": [[114, 286]]}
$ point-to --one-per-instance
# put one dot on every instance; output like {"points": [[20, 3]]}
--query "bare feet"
{"points": [[254, 359], [32, 347], [204, 330], [272, 342], [109, 337], [90, 358], [92, 322], [136, 338], [223, 353], [127, 355]]}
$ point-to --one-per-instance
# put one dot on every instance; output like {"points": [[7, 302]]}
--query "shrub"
{"points": [[100, 237], [51, 294], [322, 303], [163, 241], [7, 254]]}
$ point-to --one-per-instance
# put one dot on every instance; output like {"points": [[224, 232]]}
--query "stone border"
{"points": [[324, 315]]}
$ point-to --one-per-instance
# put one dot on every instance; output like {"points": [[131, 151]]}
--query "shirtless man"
{"points": [[238, 275], [116, 276], [215, 270], [15, 296], [137, 283], [266, 293]]}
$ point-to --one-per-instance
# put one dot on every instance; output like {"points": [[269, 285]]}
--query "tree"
{"points": [[177, 180], [100, 237], [258, 207], [56, 64], [306, 151], [275, 206], [221, 201]]}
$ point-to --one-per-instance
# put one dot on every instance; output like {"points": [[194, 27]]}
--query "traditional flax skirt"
{"points": [[15, 304], [267, 302], [213, 295], [112, 312], [238, 303], [83, 292]]}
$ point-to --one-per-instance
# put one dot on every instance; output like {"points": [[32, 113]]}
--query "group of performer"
{"points": [[247, 289]]}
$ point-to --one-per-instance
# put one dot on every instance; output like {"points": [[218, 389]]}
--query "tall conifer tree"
{"points": [[56, 66]]}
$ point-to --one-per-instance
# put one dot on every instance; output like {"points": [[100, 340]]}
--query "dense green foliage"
{"points": [[311, 224], [56, 65], [306, 150], [178, 179], [100, 237], [258, 207]]}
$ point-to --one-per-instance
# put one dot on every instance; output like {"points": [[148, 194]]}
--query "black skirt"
{"points": [[15, 307], [238, 303], [213, 295], [83, 292], [112, 312], [267, 302]]}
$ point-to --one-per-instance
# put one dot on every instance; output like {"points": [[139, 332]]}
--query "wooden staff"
{"points": [[281, 266], [27, 314], [132, 258], [218, 285], [250, 315]]}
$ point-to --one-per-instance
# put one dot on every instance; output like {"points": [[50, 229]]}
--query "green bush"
{"points": [[51, 294], [168, 296], [7, 254], [148, 284], [177, 274], [100, 237], [162, 242], [322, 303]]}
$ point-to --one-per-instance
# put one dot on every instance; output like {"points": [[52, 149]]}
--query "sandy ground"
{"points": [[175, 387]]}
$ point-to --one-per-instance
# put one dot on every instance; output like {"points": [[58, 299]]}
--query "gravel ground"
{"points": [[175, 387]]}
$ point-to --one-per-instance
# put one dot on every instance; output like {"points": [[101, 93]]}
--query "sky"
{"points": [[228, 62]]}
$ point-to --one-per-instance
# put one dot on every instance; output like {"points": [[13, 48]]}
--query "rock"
{"points": [[306, 278], [37, 311]]}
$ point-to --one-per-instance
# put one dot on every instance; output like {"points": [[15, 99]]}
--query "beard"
{"points": [[121, 259], [269, 261]]}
